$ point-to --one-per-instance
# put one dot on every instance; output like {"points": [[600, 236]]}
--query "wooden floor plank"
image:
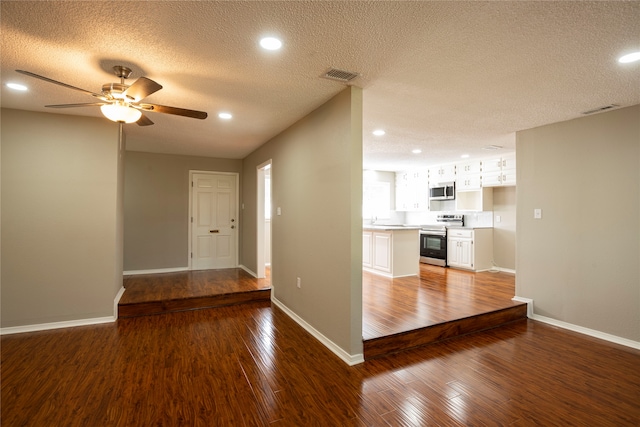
{"points": [[214, 367]]}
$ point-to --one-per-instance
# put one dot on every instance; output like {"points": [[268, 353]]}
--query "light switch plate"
{"points": [[537, 213]]}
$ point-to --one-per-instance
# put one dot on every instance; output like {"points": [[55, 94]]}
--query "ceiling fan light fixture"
{"points": [[120, 113]]}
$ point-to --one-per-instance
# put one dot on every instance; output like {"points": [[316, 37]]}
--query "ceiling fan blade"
{"points": [[174, 110], [47, 79], [90, 104], [142, 88], [144, 121]]}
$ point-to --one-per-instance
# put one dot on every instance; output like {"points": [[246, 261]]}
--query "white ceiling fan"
{"points": [[120, 102]]}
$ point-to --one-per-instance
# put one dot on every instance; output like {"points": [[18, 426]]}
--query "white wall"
{"points": [[61, 218], [580, 263]]}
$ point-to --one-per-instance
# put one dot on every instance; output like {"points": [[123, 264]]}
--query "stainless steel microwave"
{"points": [[443, 191]]}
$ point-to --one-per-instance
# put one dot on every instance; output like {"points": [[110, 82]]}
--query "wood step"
{"points": [[146, 308], [377, 347]]}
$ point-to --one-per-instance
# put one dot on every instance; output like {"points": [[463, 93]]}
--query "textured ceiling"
{"points": [[446, 77]]}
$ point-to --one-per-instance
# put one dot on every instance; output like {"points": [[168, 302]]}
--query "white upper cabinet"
{"points": [[468, 175], [412, 191], [499, 171], [469, 168], [442, 173]]}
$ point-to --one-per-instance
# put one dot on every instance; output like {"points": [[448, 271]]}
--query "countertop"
{"points": [[391, 227], [467, 227]]}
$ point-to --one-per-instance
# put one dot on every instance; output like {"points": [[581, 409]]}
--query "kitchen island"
{"points": [[391, 250]]}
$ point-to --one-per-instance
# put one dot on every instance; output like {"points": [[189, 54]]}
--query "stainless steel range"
{"points": [[433, 239]]}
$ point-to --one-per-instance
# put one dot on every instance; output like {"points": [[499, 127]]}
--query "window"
{"points": [[376, 200]]}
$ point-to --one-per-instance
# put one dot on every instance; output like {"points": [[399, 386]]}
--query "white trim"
{"points": [[576, 328], [56, 325], [335, 349], [586, 331], [155, 271], [496, 269], [385, 274], [116, 300], [248, 270], [529, 302]]}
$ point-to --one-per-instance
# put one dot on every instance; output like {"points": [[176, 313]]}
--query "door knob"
{"points": [[233, 226], [233, 220]]}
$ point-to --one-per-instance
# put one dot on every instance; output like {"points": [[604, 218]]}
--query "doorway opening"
{"points": [[263, 227]]}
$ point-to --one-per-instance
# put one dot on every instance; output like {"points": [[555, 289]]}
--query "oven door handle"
{"points": [[434, 233]]}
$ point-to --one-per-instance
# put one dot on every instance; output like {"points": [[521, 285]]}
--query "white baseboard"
{"points": [[529, 302], [335, 349], [155, 271], [56, 325], [116, 300], [576, 328], [254, 274], [504, 270], [68, 323]]}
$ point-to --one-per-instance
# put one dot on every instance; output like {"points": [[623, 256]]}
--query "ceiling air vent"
{"points": [[339, 75], [605, 108]]}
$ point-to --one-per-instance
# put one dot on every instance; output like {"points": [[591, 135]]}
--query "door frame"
{"points": [[261, 220], [190, 217]]}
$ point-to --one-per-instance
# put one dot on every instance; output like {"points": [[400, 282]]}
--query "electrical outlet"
{"points": [[537, 213], [298, 282], [498, 218]]}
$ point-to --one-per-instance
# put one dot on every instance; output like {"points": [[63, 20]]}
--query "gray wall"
{"points": [[156, 207], [61, 222], [504, 232], [316, 180], [581, 262]]}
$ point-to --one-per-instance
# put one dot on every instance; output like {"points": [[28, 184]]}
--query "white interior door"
{"points": [[214, 224]]}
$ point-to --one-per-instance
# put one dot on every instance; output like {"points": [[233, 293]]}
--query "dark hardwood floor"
{"points": [[251, 365]]}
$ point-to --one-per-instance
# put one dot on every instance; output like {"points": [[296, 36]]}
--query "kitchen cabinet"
{"points": [[469, 168], [382, 247], [367, 249], [499, 171], [470, 249], [442, 173], [391, 251], [412, 191], [468, 175]]}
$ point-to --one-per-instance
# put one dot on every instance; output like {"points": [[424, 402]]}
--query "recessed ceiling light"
{"points": [[16, 86], [630, 57], [378, 132], [416, 151], [492, 147], [270, 43], [225, 116], [464, 156]]}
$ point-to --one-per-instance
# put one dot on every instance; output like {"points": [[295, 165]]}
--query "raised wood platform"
{"points": [[441, 303], [389, 344], [190, 290], [398, 314]]}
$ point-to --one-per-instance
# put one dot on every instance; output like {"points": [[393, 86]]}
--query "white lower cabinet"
{"points": [[470, 249], [367, 249], [393, 253]]}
